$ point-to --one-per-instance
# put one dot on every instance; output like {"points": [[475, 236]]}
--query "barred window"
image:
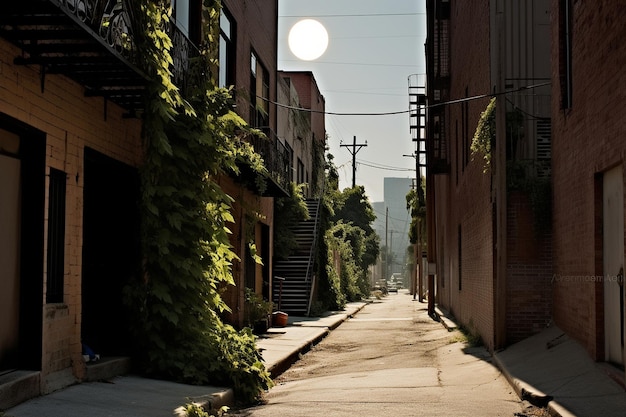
{"points": [[56, 237]]}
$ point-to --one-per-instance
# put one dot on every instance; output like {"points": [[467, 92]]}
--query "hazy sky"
{"points": [[373, 48]]}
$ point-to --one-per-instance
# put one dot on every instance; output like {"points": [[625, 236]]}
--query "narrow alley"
{"points": [[392, 359]]}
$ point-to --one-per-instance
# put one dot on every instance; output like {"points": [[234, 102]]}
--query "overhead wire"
{"points": [[390, 113], [386, 168], [356, 15]]}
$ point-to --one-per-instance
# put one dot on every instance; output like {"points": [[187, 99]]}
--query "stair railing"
{"points": [[313, 252]]}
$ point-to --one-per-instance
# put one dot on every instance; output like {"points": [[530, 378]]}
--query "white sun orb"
{"points": [[308, 39]]}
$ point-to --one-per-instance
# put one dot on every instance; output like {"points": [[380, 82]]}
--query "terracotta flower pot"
{"points": [[279, 319]]}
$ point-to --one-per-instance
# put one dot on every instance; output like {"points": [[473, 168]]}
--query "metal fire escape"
{"points": [[417, 117]]}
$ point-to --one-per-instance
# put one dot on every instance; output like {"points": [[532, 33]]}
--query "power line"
{"points": [[391, 113], [387, 168], [355, 63], [357, 15], [330, 112], [502, 93]]}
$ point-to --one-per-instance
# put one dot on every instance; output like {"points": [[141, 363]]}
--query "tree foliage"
{"points": [[349, 245], [416, 205], [190, 140], [352, 206]]}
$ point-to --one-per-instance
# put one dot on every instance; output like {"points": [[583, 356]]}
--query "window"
{"points": [[181, 14], [300, 173], [226, 51], [56, 237], [458, 153], [565, 52], [465, 132], [260, 91], [460, 246], [289, 160], [186, 16]]}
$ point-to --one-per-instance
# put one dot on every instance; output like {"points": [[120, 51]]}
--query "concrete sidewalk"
{"points": [[550, 369], [547, 367], [133, 396], [551, 366]]}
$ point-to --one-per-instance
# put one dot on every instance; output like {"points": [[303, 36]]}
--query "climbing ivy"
{"points": [[485, 135], [191, 138]]}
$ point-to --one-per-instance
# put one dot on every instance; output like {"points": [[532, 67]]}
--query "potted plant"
{"points": [[258, 311]]}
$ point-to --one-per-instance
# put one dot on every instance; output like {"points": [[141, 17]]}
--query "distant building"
{"points": [[392, 223], [303, 132]]}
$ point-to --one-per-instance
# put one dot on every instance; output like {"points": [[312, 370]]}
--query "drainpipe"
{"points": [[499, 201]]}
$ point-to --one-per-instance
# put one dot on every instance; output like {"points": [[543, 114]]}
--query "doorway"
{"points": [[22, 197], [9, 262], [110, 252], [613, 263]]}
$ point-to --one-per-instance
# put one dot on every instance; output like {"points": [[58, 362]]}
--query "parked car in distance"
{"points": [[392, 287]]}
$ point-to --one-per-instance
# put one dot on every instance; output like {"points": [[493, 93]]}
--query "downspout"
{"points": [[499, 200]]}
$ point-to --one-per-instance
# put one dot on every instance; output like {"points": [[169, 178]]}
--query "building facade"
{"points": [[248, 63], [491, 260], [588, 171], [71, 148], [303, 131]]}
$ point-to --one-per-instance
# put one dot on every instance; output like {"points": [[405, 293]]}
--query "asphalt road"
{"points": [[391, 359]]}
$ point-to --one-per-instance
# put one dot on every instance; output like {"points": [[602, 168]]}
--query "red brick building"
{"points": [[492, 270], [304, 132], [248, 62], [588, 82]]}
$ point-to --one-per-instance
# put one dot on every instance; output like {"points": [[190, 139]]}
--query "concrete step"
{"points": [[107, 368], [17, 387]]}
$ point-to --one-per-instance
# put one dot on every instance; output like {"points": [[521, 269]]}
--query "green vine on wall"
{"points": [[485, 136], [189, 141]]}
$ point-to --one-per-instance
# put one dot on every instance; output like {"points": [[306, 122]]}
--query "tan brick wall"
{"points": [[70, 122]]}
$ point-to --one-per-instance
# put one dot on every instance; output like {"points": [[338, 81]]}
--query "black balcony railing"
{"points": [[91, 41], [276, 159]]}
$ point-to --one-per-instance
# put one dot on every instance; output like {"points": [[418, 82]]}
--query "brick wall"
{"points": [[529, 272], [466, 202], [588, 139], [256, 31], [70, 122]]}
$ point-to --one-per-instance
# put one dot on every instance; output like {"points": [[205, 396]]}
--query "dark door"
{"points": [[110, 252], [22, 193], [9, 261]]}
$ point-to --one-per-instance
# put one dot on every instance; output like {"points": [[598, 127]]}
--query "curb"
{"points": [[524, 391], [285, 363], [215, 401], [527, 392], [444, 318]]}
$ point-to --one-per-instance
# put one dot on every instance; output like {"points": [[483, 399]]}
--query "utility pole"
{"points": [[417, 273], [386, 243], [354, 151], [391, 252]]}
